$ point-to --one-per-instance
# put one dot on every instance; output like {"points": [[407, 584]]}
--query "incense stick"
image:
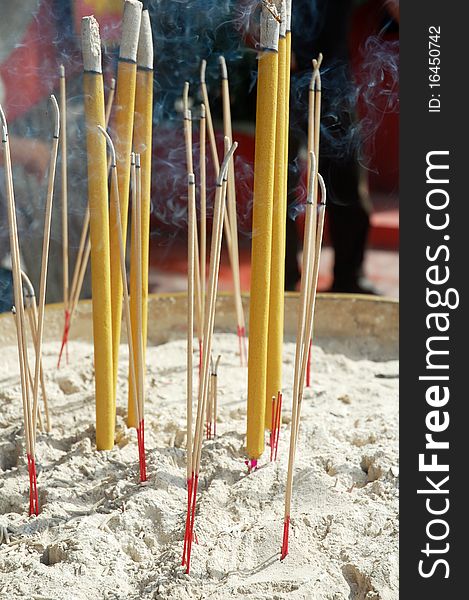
{"points": [[207, 343], [263, 202], [20, 321], [190, 346], [142, 144], [203, 206], [232, 215], [84, 249], [45, 257], [99, 233], [190, 169], [63, 141], [214, 152]]}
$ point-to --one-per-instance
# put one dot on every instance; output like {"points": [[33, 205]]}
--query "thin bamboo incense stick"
{"points": [[122, 131], [110, 101], [99, 233], [45, 258], [114, 193], [190, 169], [63, 141], [203, 206], [20, 320], [214, 151], [137, 215], [190, 346], [232, 214], [143, 144], [267, 85], [84, 249], [279, 221], [207, 345]]}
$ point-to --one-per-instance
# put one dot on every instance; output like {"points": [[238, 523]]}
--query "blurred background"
{"points": [[359, 147]]}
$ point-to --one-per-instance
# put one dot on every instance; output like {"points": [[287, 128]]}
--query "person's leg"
{"points": [[349, 220]]}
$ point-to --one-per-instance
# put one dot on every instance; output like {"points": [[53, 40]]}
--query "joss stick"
{"points": [[219, 207], [279, 221], [143, 144], [314, 132], [190, 341], [122, 133], [63, 142], [84, 249], [214, 151], [264, 162], [110, 101], [203, 206], [190, 169], [99, 233], [137, 231], [233, 219], [45, 259], [19, 319], [31, 310]]}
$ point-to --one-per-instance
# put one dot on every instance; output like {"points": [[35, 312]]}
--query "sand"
{"points": [[101, 534]]}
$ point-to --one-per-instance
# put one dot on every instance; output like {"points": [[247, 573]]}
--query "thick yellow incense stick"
{"points": [[266, 114], [143, 120], [122, 131], [277, 278], [99, 233]]}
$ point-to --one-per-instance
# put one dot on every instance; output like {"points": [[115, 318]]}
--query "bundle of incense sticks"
{"points": [[132, 126], [314, 135], [30, 386], [314, 225], [209, 321]]}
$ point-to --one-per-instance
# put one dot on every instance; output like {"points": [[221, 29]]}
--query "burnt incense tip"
{"points": [[137, 161], [202, 111], [203, 67], [110, 145], [91, 44], [113, 84], [269, 26], [61, 71], [131, 20], [224, 70], [322, 186], [191, 179], [56, 116], [145, 43], [288, 14]]}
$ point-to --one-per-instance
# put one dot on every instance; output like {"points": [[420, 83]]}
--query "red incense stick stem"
{"points": [[286, 530], [188, 519], [191, 532], [141, 450], [64, 337]]}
